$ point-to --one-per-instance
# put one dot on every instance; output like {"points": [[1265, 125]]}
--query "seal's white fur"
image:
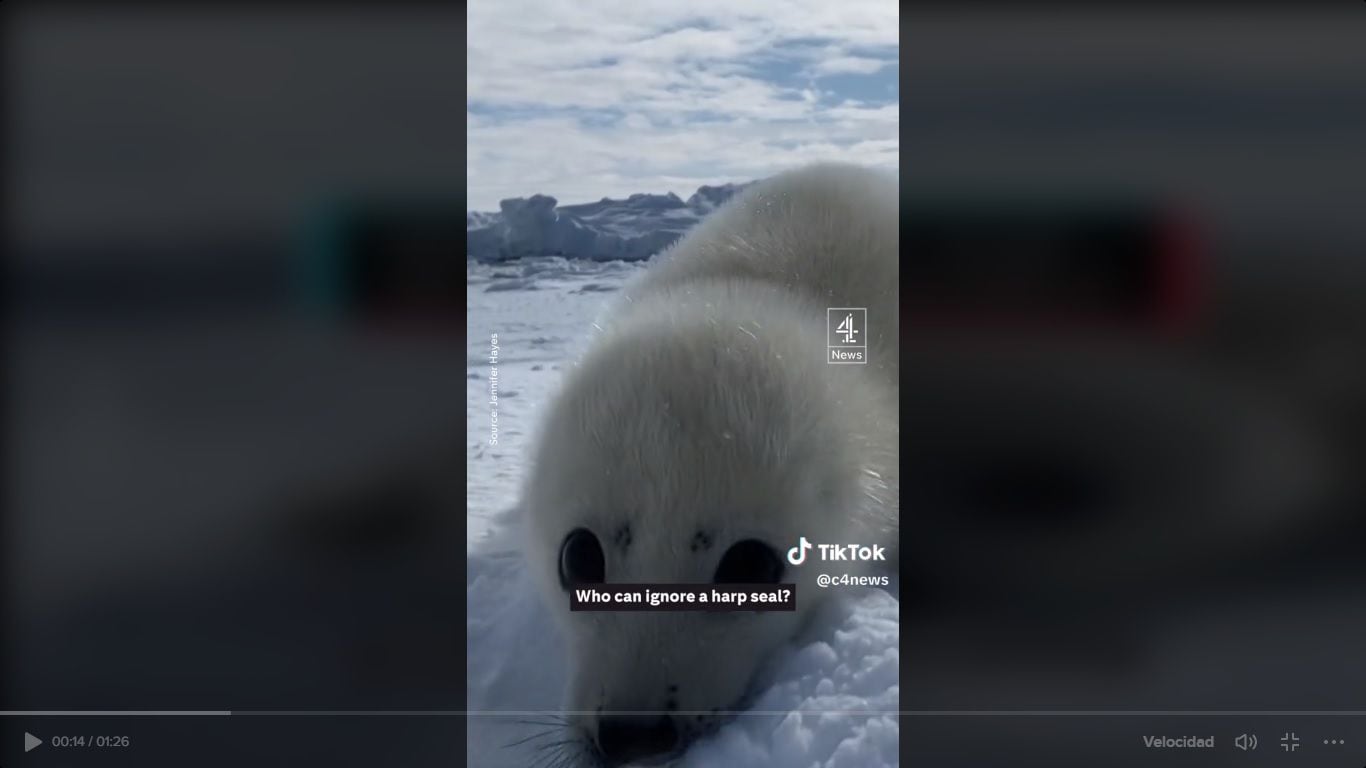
{"points": [[705, 413]]}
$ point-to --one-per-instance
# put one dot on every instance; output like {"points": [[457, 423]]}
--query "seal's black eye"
{"points": [[581, 559], [749, 562]]}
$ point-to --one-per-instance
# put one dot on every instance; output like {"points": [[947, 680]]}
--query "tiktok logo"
{"points": [[797, 555]]}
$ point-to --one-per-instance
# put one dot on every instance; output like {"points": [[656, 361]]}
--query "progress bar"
{"points": [[752, 713], [116, 713]]}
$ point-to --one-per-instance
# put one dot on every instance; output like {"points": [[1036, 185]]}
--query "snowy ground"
{"points": [[541, 310], [830, 699]]}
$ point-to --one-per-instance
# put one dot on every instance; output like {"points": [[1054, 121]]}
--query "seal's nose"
{"points": [[622, 738]]}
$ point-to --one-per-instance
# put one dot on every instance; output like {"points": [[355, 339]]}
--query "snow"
{"points": [[633, 229], [826, 701]]}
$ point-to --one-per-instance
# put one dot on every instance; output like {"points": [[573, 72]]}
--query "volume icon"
{"points": [[1246, 742]]}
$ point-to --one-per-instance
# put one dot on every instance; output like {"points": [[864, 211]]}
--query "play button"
{"points": [[31, 741]]}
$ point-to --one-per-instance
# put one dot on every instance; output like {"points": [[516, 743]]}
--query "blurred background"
{"points": [[1134, 403], [233, 341]]}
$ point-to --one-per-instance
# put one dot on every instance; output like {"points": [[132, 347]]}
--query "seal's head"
{"points": [[695, 444]]}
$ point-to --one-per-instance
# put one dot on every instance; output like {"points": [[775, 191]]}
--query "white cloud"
{"points": [[854, 65], [582, 101]]}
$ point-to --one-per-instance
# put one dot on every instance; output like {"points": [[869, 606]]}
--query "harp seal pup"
{"points": [[702, 435]]}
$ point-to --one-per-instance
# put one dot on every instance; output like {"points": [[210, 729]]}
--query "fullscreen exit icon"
{"points": [[1290, 742]]}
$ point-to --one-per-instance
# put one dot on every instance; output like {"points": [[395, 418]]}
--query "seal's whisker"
{"points": [[542, 760], [560, 756], [556, 744], [533, 737]]}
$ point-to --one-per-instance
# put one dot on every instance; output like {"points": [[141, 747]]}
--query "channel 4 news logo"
{"points": [[847, 335]]}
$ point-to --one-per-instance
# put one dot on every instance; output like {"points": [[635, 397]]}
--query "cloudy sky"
{"points": [[611, 97]]}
